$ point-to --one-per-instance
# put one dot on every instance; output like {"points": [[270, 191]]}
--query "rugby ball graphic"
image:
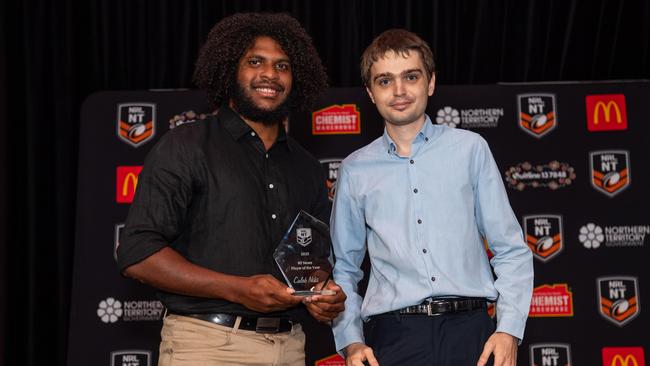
{"points": [[544, 244], [137, 130], [538, 121], [611, 179], [620, 306]]}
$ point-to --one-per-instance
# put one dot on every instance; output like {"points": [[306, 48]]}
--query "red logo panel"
{"points": [[623, 356], [336, 119], [606, 112], [127, 181]]}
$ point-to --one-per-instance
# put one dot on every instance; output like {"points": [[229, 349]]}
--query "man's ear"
{"points": [[370, 95], [432, 84]]}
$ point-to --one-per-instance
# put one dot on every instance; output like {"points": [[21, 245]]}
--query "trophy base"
{"points": [[314, 292]]}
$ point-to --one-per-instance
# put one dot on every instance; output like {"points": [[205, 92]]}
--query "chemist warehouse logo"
{"points": [[623, 356], [112, 310], [343, 119], [331, 169], [550, 354], [618, 299], [469, 118], [551, 301], [544, 235], [131, 358], [537, 115], [136, 122], [610, 171]]}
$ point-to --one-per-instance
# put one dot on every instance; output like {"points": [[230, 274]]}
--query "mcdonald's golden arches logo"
{"points": [[623, 356], [606, 112], [127, 181]]}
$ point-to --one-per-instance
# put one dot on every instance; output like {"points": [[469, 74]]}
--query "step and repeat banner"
{"points": [[574, 158]]}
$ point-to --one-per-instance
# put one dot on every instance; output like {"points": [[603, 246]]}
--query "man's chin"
{"points": [[400, 120]]}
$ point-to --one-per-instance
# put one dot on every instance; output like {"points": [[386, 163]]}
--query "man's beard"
{"points": [[246, 107]]}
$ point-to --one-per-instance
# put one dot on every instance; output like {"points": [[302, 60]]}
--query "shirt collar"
{"points": [[427, 133], [237, 128]]}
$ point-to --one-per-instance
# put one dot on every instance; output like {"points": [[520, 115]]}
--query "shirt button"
{"points": [[252, 133], [415, 190], [412, 161], [266, 156], [433, 279], [271, 185], [424, 251], [419, 221], [274, 216], [426, 139]]}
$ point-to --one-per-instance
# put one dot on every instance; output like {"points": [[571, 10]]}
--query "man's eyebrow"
{"points": [[390, 75], [255, 55], [410, 71]]}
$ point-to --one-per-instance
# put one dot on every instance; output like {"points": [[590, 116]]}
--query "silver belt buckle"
{"points": [[429, 311], [267, 325]]}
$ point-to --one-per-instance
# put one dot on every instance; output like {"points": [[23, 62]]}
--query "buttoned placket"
{"points": [[269, 181], [416, 195]]}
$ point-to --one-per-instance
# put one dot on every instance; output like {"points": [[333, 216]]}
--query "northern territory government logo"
{"points": [[553, 175], [136, 122], [623, 356], [592, 235], [606, 112], [618, 299], [550, 354], [469, 117], [537, 113], [110, 310], [544, 235], [343, 119], [551, 301], [331, 168], [131, 358], [610, 171]]}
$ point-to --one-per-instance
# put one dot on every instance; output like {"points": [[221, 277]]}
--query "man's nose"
{"points": [[269, 71], [399, 88]]}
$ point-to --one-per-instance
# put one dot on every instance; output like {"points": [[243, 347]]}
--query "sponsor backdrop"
{"points": [[573, 158]]}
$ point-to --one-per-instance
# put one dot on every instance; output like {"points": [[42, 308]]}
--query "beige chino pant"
{"points": [[193, 342]]}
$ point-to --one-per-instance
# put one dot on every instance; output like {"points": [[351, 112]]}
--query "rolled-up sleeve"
{"points": [[163, 195]]}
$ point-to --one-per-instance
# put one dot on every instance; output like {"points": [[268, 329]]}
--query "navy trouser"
{"points": [[445, 340]]}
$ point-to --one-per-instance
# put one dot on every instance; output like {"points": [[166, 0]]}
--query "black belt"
{"points": [[259, 325], [433, 307]]}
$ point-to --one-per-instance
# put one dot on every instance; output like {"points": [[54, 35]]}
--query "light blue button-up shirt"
{"points": [[423, 218]]}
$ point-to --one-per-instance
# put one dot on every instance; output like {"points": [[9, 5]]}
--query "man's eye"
{"points": [[383, 82], [411, 77], [283, 66], [254, 62]]}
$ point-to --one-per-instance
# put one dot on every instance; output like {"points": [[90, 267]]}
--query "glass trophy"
{"points": [[305, 256]]}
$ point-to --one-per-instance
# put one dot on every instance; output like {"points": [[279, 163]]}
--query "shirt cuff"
{"points": [[513, 327]]}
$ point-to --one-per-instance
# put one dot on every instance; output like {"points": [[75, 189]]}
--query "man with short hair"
{"points": [[423, 197], [215, 197]]}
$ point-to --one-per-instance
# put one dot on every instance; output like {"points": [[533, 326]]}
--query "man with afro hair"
{"points": [[215, 197]]}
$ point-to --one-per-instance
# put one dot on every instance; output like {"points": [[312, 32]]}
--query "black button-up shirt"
{"points": [[213, 193]]}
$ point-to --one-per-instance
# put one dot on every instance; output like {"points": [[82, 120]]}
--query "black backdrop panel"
{"points": [[592, 267]]}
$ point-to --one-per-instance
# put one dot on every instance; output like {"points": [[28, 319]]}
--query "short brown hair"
{"points": [[400, 41]]}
